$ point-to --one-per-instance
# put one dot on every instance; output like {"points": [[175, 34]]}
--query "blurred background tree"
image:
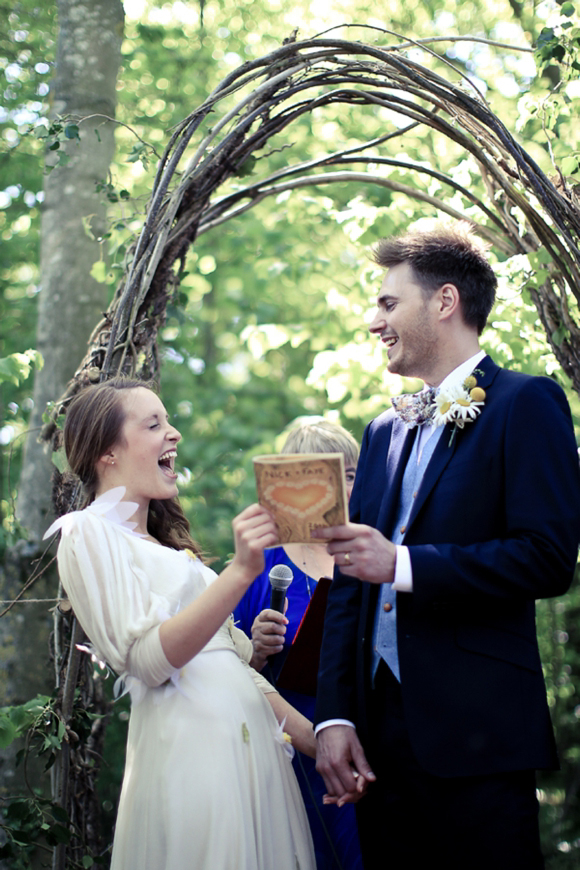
{"points": [[269, 320]]}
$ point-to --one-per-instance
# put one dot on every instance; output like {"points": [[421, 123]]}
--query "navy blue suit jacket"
{"points": [[495, 525]]}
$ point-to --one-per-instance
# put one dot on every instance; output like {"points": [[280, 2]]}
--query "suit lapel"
{"points": [[441, 458], [444, 452], [400, 446], [486, 372]]}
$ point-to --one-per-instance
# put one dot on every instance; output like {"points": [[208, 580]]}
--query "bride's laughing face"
{"points": [[143, 460]]}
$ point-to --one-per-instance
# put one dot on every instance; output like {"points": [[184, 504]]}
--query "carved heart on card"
{"points": [[302, 498]]}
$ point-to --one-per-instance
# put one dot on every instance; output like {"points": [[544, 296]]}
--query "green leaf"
{"points": [[22, 838], [99, 271], [545, 37], [246, 168], [567, 9], [559, 335], [10, 370], [16, 367], [8, 731], [58, 834], [59, 814], [71, 131], [138, 152], [558, 52], [50, 762], [19, 810], [569, 165], [36, 704], [58, 459]]}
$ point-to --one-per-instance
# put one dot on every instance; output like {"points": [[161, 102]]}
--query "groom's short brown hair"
{"points": [[446, 254]]}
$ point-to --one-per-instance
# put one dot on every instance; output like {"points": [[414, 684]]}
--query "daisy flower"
{"points": [[458, 404]]}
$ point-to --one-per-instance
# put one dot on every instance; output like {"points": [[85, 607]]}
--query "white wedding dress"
{"points": [[208, 781]]}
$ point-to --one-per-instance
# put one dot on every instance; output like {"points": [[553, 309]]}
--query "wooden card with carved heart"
{"points": [[303, 492]]}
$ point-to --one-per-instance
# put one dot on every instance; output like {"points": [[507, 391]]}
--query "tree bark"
{"points": [[88, 59]]}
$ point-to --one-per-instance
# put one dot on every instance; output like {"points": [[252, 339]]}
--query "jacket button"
{"points": [[403, 529], [387, 607]]}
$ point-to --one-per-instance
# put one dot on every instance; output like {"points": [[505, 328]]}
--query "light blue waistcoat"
{"points": [[385, 627]]}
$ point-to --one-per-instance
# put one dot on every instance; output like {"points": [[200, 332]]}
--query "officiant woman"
{"points": [[333, 829]]}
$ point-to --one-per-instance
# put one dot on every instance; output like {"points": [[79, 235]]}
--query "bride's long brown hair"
{"points": [[93, 424]]}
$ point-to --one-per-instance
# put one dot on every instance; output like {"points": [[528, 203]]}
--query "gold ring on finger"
{"points": [[347, 558]]}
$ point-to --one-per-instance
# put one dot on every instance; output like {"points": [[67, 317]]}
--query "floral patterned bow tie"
{"points": [[415, 408]]}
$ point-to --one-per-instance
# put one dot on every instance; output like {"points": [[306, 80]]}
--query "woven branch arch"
{"points": [[262, 98]]}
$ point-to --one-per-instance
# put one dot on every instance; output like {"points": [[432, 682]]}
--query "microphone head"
{"points": [[280, 577]]}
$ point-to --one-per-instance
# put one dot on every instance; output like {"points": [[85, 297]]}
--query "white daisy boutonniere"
{"points": [[459, 404]]}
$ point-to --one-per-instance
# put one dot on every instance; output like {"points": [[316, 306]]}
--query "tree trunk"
{"points": [[87, 62], [88, 58]]}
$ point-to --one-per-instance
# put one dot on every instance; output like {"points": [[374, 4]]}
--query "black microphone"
{"points": [[281, 577]]}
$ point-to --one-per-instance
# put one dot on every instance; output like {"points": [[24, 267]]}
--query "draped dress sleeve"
{"points": [[112, 598]]}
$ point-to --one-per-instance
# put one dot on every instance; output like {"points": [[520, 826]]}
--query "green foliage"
{"points": [[26, 53], [40, 722], [560, 650], [32, 822], [111, 193], [561, 45], [140, 152], [14, 369], [17, 367], [54, 135]]}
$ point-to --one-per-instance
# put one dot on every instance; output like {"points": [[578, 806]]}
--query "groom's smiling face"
{"points": [[406, 323]]}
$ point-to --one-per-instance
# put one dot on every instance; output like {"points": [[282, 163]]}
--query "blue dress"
{"points": [[333, 829]]}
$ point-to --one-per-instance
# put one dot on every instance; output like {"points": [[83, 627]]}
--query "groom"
{"points": [[431, 696]]}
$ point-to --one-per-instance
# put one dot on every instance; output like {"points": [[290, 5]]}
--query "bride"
{"points": [[208, 781]]}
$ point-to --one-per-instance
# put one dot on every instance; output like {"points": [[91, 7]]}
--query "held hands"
{"points": [[360, 551], [254, 529], [268, 633], [341, 761]]}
